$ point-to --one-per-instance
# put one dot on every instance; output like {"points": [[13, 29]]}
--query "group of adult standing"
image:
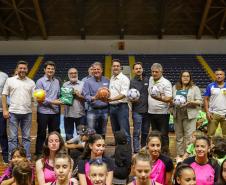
{"points": [[151, 109]]}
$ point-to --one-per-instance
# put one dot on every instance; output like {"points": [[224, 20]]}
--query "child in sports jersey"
{"points": [[206, 169], [94, 149], [162, 167], [142, 168], [63, 165], [98, 172], [222, 176], [190, 151], [44, 166], [184, 175], [22, 173], [19, 154]]}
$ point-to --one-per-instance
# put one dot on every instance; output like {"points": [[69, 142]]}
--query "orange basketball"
{"points": [[103, 93]]}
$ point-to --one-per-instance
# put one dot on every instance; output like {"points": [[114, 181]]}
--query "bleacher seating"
{"points": [[216, 61], [173, 65], [8, 62], [64, 62]]}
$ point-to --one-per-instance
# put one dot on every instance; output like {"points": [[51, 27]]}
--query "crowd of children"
{"points": [[82, 160]]}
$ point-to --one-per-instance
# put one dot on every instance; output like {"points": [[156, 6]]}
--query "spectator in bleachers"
{"points": [[90, 73], [185, 114], [160, 95], [141, 118], [3, 123], [20, 89], [48, 111], [44, 166], [74, 113], [215, 103], [97, 113], [119, 110]]}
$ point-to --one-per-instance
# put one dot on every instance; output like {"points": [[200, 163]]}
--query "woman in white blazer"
{"points": [[185, 114]]}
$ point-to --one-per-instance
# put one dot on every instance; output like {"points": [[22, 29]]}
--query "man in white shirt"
{"points": [[119, 111], [20, 89], [160, 95]]}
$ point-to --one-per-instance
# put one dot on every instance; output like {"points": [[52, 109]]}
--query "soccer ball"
{"points": [[133, 94], [39, 95], [179, 100], [155, 91]]}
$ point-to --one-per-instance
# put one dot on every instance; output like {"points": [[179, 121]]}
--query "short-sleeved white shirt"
{"points": [[119, 85], [165, 87], [20, 92]]}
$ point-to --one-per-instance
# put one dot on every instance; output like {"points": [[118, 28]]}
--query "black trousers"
{"points": [[160, 122], [52, 121]]}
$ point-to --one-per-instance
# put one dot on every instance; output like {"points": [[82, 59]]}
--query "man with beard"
{"points": [[97, 113], [141, 118], [74, 113], [49, 110], [215, 103], [20, 89]]}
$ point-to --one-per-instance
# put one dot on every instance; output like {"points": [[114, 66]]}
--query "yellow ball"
{"points": [[39, 95]]}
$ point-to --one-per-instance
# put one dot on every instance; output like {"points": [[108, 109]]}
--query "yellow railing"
{"points": [[35, 67], [107, 66], [206, 67], [132, 61]]}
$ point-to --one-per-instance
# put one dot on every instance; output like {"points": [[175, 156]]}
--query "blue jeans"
{"points": [[69, 125], [141, 125], [3, 138], [119, 115], [97, 119], [24, 121]]}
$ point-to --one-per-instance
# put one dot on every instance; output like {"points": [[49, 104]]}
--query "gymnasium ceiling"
{"points": [[83, 19]]}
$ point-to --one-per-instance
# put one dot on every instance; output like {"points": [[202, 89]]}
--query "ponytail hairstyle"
{"points": [[22, 172], [178, 172], [91, 140], [63, 155], [142, 155], [152, 134]]}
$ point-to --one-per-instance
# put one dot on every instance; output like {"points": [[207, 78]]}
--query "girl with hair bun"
{"points": [[184, 175], [142, 168], [94, 149]]}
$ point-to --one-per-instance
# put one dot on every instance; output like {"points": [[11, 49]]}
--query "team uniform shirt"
{"points": [[141, 106], [160, 167], [217, 98], [20, 92], [165, 88], [206, 174], [84, 167], [77, 109], [49, 173], [119, 85], [3, 78]]}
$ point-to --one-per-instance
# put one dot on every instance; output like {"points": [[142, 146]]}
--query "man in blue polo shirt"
{"points": [[215, 103], [97, 113]]}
